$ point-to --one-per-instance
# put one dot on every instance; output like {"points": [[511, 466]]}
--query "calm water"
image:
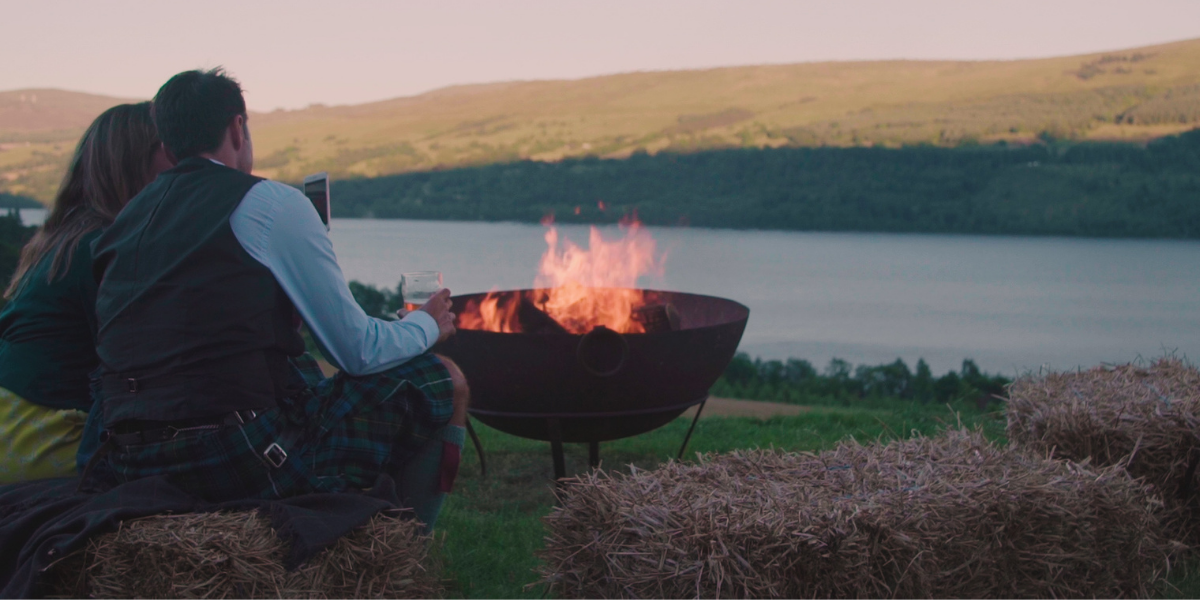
{"points": [[1009, 303]]}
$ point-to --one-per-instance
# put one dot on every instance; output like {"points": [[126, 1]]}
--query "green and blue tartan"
{"points": [[339, 433]]}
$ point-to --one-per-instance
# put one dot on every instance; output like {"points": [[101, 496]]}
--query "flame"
{"points": [[573, 273], [580, 289], [489, 315]]}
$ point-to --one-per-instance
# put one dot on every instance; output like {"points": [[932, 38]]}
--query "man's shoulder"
{"points": [[267, 187], [274, 194], [273, 206]]}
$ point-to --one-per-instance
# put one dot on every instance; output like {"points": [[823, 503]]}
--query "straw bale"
{"points": [[1146, 418], [951, 516], [238, 555]]}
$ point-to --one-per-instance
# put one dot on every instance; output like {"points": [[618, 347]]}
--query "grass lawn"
{"points": [[492, 525]]}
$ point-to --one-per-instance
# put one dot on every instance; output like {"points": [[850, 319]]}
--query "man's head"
{"points": [[203, 113]]}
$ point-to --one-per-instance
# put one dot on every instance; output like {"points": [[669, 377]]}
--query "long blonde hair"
{"points": [[112, 163]]}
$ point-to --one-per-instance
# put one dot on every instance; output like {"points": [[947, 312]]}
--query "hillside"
{"points": [[45, 115], [1136, 94]]}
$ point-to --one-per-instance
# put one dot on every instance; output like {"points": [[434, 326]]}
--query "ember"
{"points": [[578, 290]]}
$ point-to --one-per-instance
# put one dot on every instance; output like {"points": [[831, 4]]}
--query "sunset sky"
{"points": [[291, 54]]}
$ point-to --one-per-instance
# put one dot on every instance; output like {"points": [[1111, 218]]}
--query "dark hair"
{"points": [[112, 163], [193, 108]]}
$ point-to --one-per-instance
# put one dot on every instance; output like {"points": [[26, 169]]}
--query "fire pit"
{"points": [[548, 378]]}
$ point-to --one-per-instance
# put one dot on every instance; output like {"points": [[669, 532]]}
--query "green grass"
{"points": [[493, 527], [1184, 582], [491, 552]]}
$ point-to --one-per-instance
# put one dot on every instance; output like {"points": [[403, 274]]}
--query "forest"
{"points": [[1054, 187], [796, 381]]}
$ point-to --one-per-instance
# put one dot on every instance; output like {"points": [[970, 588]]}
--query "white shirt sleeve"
{"points": [[279, 228]]}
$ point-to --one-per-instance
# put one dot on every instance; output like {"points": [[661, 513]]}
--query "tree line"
{"points": [[8, 200], [1051, 188], [797, 381]]}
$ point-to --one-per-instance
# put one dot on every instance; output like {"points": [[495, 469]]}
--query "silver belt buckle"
{"points": [[275, 455]]}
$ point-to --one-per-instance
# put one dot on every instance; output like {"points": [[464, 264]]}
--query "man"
{"points": [[204, 278]]}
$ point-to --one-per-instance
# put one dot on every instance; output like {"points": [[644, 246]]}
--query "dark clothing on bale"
{"points": [[43, 521], [339, 433]]}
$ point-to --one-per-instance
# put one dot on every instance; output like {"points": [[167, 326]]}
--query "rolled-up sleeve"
{"points": [[279, 228]]}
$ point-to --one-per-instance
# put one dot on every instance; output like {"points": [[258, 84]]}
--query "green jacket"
{"points": [[48, 334]]}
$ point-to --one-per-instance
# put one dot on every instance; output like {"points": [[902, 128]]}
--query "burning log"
{"points": [[657, 317], [653, 318], [529, 313], [535, 320]]}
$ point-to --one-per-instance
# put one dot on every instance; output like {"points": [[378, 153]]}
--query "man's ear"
{"points": [[237, 132]]}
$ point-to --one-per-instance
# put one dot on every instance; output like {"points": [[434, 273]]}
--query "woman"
{"points": [[48, 328]]}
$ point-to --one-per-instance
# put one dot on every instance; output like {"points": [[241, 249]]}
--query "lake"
{"points": [[1009, 303]]}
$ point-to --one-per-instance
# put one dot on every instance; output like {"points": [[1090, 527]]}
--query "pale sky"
{"points": [[297, 52]]}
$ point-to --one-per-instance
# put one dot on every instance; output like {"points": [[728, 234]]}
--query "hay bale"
{"points": [[952, 516], [238, 555], [1144, 418]]}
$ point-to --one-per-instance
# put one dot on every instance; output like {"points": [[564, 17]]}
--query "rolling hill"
{"points": [[1134, 95]]}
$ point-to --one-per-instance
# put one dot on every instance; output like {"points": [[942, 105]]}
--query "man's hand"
{"points": [[438, 307]]}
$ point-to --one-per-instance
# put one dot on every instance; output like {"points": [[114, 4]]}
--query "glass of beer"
{"points": [[418, 287]]}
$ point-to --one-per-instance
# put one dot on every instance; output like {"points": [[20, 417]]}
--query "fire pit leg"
{"points": [[688, 437], [593, 454], [554, 428], [478, 448]]}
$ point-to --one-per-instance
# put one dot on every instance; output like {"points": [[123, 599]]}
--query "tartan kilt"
{"points": [[339, 433]]}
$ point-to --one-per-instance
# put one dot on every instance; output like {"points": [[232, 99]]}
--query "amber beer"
{"points": [[418, 287]]}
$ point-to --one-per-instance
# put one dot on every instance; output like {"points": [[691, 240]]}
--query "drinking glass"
{"points": [[418, 287]]}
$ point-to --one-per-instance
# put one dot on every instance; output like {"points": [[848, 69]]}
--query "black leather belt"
{"points": [[127, 433]]}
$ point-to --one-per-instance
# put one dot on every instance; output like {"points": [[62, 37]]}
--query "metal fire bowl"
{"points": [[600, 386]]}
